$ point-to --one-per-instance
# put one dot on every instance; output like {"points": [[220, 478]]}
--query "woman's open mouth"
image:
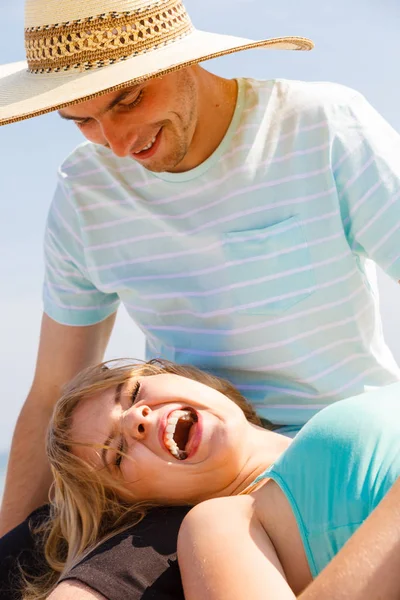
{"points": [[179, 431]]}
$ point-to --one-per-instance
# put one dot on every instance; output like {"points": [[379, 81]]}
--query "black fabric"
{"points": [[139, 564], [20, 547]]}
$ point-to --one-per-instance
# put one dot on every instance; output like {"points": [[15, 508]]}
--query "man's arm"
{"points": [[63, 352]]}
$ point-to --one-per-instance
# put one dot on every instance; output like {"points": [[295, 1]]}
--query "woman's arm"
{"points": [[71, 590], [368, 566], [224, 552]]}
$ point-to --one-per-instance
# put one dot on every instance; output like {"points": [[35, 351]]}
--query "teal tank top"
{"points": [[338, 468]]}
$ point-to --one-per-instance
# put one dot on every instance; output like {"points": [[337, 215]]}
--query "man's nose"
{"points": [[118, 138], [136, 422]]}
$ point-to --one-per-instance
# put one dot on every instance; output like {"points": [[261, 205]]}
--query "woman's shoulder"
{"points": [[339, 467], [362, 419], [349, 450], [220, 508]]}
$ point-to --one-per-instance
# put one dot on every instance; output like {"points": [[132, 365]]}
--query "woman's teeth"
{"points": [[174, 417], [147, 147]]}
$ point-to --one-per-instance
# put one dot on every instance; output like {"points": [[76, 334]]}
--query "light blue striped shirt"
{"points": [[256, 265]]}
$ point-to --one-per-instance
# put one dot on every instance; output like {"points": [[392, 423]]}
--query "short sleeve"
{"points": [[140, 563], [366, 168], [69, 296]]}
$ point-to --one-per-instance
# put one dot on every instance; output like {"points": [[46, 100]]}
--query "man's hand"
{"points": [[63, 352]]}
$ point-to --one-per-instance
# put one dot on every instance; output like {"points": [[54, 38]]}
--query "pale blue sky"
{"points": [[357, 44]]}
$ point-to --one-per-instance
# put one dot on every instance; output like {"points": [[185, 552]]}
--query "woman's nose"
{"points": [[136, 422]]}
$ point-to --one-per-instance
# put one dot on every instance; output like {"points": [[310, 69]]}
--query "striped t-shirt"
{"points": [[256, 264]]}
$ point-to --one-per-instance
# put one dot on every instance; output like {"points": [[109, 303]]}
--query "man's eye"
{"points": [[135, 102], [83, 123]]}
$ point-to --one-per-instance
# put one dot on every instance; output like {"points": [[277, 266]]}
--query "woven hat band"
{"points": [[105, 39]]}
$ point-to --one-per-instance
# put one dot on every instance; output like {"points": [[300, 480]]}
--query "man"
{"points": [[232, 218]]}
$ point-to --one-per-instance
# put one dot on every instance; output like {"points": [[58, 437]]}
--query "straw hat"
{"points": [[79, 49]]}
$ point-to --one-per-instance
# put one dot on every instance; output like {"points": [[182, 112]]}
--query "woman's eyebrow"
{"points": [[117, 400]]}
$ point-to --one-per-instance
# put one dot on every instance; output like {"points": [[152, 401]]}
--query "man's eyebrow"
{"points": [[121, 96], [70, 117], [117, 400]]}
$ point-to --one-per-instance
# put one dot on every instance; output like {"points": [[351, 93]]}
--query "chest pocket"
{"points": [[269, 269]]}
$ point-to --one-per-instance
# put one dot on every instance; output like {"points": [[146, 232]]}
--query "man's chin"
{"points": [[162, 166], [154, 168]]}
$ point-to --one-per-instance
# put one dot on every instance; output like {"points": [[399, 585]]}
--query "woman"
{"points": [[132, 436]]}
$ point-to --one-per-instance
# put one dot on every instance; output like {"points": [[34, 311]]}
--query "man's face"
{"points": [[153, 122]]}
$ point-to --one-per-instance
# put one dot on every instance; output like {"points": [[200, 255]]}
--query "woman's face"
{"points": [[182, 440]]}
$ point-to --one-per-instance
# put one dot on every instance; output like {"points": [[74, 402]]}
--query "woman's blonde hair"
{"points": [[86, 506]]}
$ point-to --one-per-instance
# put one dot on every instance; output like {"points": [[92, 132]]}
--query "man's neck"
{"points": [[217, 98]]}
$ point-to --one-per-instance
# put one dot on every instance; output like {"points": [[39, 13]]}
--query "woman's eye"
{"points": [[119, 457], [120, 449], [135, 392]]}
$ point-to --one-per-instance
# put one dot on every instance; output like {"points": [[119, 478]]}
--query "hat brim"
{"points": [[24, 95]]}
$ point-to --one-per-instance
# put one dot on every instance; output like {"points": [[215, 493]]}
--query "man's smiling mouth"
{"points": [[149, 145], [177, 432]]}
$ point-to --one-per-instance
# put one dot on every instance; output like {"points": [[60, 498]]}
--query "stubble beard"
{"points": [[180, 138], [173, 158]]}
